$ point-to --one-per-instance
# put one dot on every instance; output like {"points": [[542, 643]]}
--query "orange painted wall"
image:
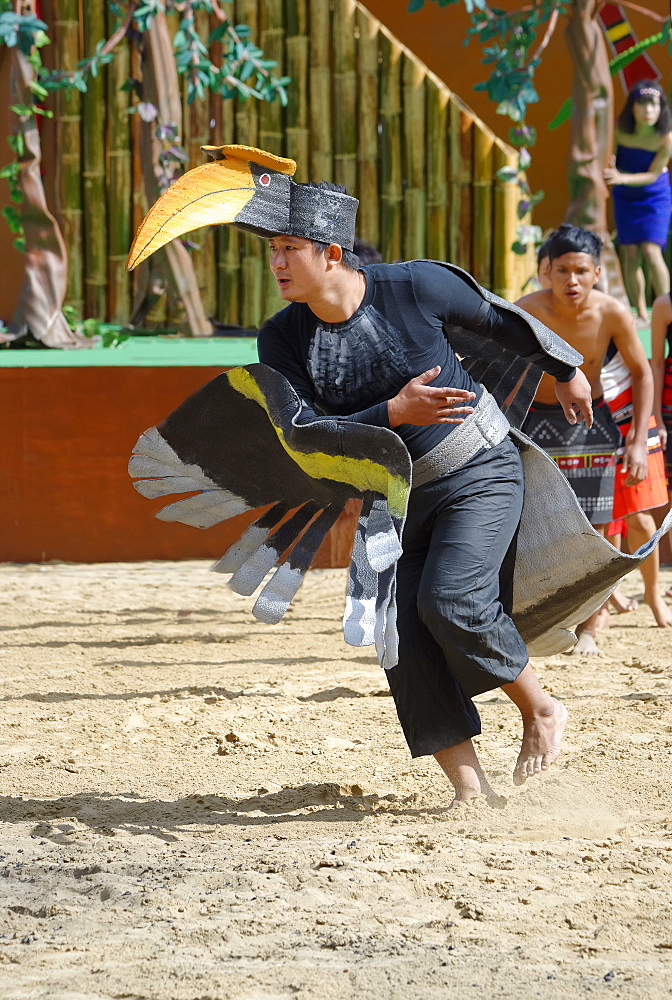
{"points": [[66, 435], [436, 36]]}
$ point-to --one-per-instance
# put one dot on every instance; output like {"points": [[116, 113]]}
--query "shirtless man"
{"points": [[588, 320]]}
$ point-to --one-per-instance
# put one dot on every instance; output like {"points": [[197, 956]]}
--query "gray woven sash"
{"points": [[484, 428]]}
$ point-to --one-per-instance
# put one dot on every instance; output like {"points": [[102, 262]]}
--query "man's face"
{"points": [[573, 275], [646, 110], [298, 267]]}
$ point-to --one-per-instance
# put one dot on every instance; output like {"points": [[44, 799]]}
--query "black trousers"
{"points": [[454, 596]]}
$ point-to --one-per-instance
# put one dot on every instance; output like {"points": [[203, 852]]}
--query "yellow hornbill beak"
{"points": [[243, 186]]}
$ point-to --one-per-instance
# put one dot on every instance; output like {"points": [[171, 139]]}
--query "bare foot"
{"points": [[621, 603], [586, 645], [462, 768], [661, 612], [493, 800], [542, 736], [603, 619], [476, 786]]}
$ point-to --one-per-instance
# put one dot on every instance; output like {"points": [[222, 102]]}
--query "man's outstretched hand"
{"points": [[575, 398], [422, 404]]}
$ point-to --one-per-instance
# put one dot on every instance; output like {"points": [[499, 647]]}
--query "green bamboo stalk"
{"points": [[467, 128], [93, 158], [368, 221], [461, 135], [482, 221], [139, 206], [321, 110], [247, 111], [504, 277], [415, 198], [272, 127], [271, 114], [228, 239], [345, 94], [247, 132], [437, 98], [119, 180], [391, 197], [297, 117], [68, 163]]}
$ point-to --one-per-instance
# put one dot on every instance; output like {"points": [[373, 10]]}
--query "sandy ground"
{"points": [[198, 807]]}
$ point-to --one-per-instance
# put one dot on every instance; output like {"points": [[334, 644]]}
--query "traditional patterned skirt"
{"points": [[652, 491], [667, 414], [586, 456]]}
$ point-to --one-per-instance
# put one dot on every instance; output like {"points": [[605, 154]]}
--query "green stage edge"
{"points": [[160, 352], [141, 352]]}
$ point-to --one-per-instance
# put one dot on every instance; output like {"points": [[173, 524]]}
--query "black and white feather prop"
{"points": [[235, 446]]}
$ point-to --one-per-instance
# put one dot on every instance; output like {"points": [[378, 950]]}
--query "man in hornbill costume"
{"points": [[401, 386]]}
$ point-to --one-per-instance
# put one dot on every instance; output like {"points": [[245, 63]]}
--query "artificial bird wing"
{"points": [[242, 185], [565, 570], [236, 445]]}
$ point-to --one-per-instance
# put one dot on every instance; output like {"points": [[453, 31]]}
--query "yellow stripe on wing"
{"points": [[362, 473]]}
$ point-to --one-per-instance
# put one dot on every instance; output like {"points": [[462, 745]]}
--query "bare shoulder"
{"points": [[610, 308], [535, 302]]}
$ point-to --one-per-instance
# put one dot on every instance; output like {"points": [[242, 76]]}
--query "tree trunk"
{"points": [[592, 136], [40, 299]]}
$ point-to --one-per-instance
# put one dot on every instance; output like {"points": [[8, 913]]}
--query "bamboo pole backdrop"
{"points": [[362, 110], [68, 164], [96, 111]]}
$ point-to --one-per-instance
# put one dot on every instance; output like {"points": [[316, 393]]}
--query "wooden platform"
{"points": [[68, 423]]}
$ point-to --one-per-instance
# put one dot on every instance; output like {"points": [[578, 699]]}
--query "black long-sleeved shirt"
{"points": [[353, 368]]}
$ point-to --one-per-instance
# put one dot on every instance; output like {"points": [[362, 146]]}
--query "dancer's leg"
{"points": [[641, 527], [633, 278], [658, 272]]}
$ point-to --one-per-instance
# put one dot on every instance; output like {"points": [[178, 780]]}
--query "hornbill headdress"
{"points": [[251, 190]]}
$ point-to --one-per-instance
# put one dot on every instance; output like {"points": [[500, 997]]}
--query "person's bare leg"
{"points": [[462, 768], [603, 619], [633, 278], [618, 600], [641, 527], [544, 721], [621, 603], [660, 276], [586, 644]]}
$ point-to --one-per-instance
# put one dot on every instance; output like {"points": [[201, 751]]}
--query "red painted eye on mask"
{"points": [[265, 180]]}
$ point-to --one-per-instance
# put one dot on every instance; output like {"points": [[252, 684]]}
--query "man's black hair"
{"points": [[572, 239], [626, 120], [366, 252], [349, 260]]}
